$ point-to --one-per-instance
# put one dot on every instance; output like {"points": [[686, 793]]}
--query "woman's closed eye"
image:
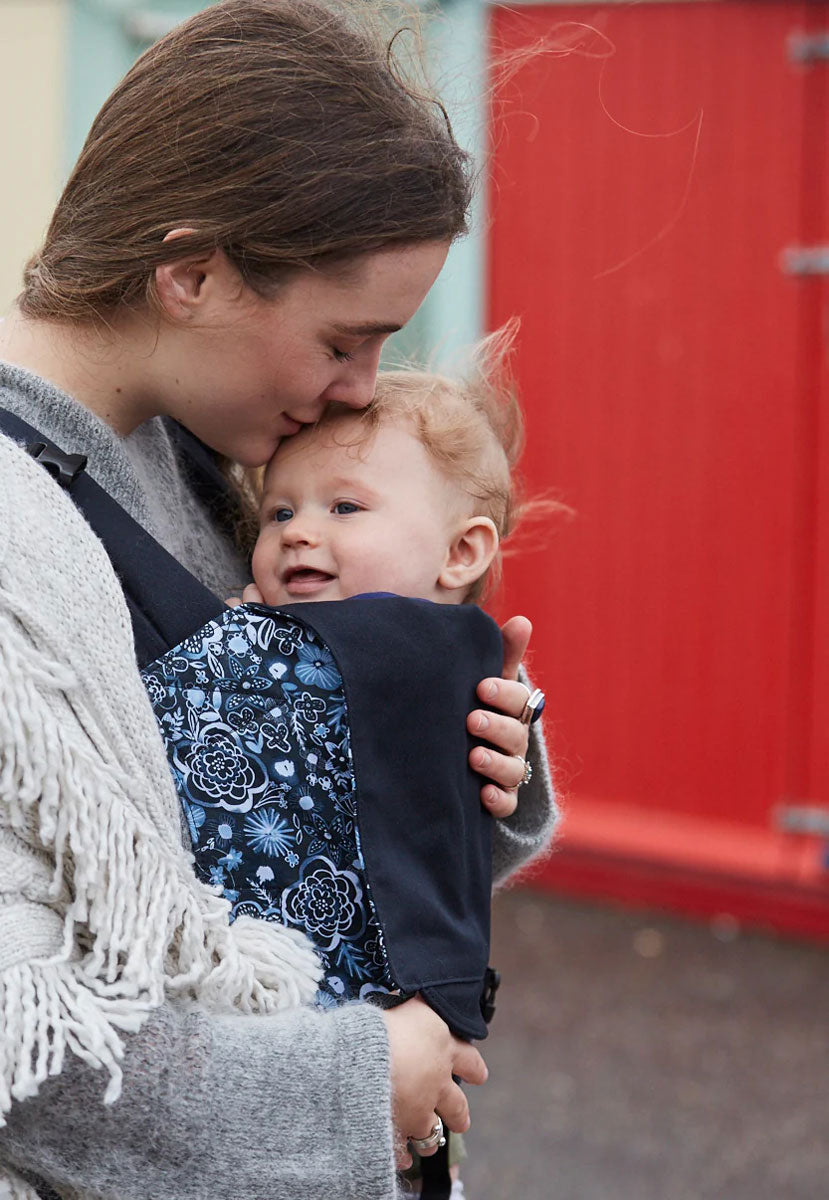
{"points": [[353, 346]]}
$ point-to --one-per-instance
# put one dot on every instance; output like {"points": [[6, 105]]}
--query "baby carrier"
{"points": [[320, 754]]}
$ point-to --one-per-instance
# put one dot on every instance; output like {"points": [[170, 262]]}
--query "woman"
{"points": [[258, 205]]}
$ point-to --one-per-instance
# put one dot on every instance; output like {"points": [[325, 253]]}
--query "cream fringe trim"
{"points": [[12, 1187], [148, 927]]}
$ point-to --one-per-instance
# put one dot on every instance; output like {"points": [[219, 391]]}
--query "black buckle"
{"points": [[492, 981], [65, 468]]}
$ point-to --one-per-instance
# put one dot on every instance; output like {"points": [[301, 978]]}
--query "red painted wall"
{"points": [[650, 165]]}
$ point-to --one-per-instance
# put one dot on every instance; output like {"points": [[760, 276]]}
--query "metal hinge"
{"points": [[805, 260], [808, 47], [808, 819]]}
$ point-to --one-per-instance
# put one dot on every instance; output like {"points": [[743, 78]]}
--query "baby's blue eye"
{"points": [[344, 507], [283, 514]]}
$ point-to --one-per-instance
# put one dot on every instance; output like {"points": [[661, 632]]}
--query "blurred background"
{"points": [[654, 205]]}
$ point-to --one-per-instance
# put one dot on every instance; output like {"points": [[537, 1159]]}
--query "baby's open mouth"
{"points": [[305, 579]]}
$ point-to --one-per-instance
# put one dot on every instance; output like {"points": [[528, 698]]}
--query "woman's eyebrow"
{"points": [[364, 328]]}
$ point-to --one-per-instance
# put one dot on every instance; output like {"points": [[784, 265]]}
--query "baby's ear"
{"points": [[470, 553]]}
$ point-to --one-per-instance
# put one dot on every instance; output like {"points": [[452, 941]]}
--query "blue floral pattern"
{"points": [[252, 710]]}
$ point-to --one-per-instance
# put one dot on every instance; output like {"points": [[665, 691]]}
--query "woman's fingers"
{"points": [[454, 1110], [453, 1106], [506, 734], [503, 761], [498, 801], [516, 633], [432, 1144], [508, 696], [505, 770], [468, 1064]]}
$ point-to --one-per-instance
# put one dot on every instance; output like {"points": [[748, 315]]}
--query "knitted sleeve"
{"points": [[528, 833], [286, 1107]]}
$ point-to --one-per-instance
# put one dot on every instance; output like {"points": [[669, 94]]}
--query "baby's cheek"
{"points": [[264, 563]]}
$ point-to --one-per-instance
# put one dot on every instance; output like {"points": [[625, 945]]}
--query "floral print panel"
{"points": [[253, 713]]}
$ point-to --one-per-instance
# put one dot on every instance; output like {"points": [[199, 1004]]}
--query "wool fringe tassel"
{"points": [[12, 1187], [153, 929], [48, 1007]]}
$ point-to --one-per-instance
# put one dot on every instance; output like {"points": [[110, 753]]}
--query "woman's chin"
{"points": [[251, 456]]}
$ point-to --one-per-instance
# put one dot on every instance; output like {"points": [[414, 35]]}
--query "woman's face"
{"points": [[246, 371]]}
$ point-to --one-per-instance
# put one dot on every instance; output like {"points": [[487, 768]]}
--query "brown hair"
{"points": [[283, 132]]}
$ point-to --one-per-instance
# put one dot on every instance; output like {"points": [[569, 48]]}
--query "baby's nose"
{"points": [[299, 532]]}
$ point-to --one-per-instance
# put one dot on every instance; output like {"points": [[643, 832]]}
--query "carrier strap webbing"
{"points": [[166, 603]]}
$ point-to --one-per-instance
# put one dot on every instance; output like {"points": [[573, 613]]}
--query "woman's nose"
{"points": [[355, 386]]}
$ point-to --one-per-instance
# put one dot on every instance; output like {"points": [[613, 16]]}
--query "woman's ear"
{"points": [[187, 285], [470, 553]]}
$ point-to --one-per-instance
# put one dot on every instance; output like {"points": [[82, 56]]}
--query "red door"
{"points": [[814, 290], [651, 166]]}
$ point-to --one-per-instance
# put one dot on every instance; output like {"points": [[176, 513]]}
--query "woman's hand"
{"points": [[424, 1057], [503, 764]]}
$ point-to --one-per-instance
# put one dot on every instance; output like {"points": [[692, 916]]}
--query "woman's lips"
{"points": [[291, 426], [304, 581]]}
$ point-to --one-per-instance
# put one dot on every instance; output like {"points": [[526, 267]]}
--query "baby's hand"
{"points": [[251, 595]]}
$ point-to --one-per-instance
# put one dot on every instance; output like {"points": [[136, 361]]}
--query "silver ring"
{"points": [[528, 770], [534, 707], [434, 1141]]}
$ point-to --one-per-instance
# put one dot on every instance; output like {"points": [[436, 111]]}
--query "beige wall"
{"points": [[33, 40]]}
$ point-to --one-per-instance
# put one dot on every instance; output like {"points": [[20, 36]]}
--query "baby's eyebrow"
{"points": [[351, 488], [364, 328]]}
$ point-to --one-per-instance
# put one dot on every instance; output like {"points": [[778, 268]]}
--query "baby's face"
{"points": [[337, 520]]}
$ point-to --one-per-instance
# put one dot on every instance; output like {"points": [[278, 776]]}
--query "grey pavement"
{"points": [[641, 1057]]}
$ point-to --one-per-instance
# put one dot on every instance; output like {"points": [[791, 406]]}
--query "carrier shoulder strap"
{"points": [[166, 603]]}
